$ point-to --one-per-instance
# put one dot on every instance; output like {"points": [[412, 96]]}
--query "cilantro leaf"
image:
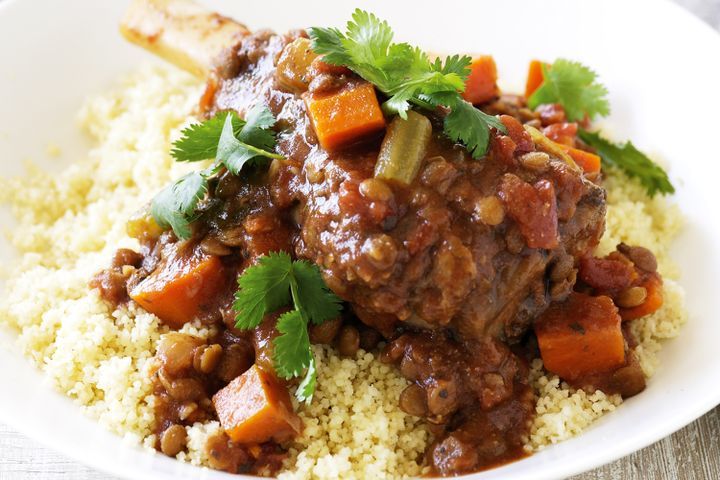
{"points": [[406, 75], [471, 126], [574, 86], [175, 205], [292, 352], [457, 64], [256, 131], [271, 284], [315, 297], [306, 389], [632, 161], [329, 42], [225, 137], [199, 141], [264, 287], [234, 154]]}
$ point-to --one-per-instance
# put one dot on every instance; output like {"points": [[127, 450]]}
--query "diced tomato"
{"points": [[606, 274], [562, 133], [534, 208]]}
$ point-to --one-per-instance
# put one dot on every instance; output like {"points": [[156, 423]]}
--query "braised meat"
{"points": [[478, 246]]}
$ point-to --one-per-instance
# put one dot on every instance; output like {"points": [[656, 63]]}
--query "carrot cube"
{"points": [[481, 84], [255, 408], [176, 290], [581, 336], [346, 116], [589, 162], [535, 77]]}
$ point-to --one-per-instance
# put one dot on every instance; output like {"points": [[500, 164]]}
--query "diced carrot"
{"points": [[535, 77], [176, 290], [255, 408], [481, 84], [653, 301], [581, 336], [589, 162], [346, 116]]}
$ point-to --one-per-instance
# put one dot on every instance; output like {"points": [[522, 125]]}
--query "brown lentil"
{"points": [[348, 341], [537, 161], [640, 256], [376, 190], [325, 332], [490, 211], [173, 440], [207, 358], [413, 400], [631, 297]]}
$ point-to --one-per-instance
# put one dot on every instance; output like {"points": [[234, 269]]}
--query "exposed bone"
{"points": [[180, 31]]}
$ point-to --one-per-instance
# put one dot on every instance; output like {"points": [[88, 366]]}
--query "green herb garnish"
{"points": [[407, 76], [232, 142], [575, 87], [632, 161], [272, 283]]}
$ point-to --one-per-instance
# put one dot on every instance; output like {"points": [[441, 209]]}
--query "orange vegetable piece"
{"points": [[481, 84], [176, 290], [653, 301], [589, 162], [345, 116], [255, 408], [581, 336], [535, 77]]}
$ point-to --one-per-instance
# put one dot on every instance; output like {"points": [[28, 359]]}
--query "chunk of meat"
{"points": [[581, 336], [255, 408], [382, 254], [179, 288]]}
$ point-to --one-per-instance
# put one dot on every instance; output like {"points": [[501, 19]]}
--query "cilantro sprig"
{"points": [[575, 87], [232, 142], [274, 282], [407, 76], [632, 161]]}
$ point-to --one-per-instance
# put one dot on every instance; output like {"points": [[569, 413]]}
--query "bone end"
{"points": [[181, 31]]}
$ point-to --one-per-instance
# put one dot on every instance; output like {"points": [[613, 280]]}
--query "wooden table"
{"points": [[693, 453]]}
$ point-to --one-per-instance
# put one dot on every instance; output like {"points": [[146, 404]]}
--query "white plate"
{"points": [[660, 64]]}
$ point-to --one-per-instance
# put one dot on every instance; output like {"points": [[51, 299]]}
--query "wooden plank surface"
{"points": [[693, 453]]}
